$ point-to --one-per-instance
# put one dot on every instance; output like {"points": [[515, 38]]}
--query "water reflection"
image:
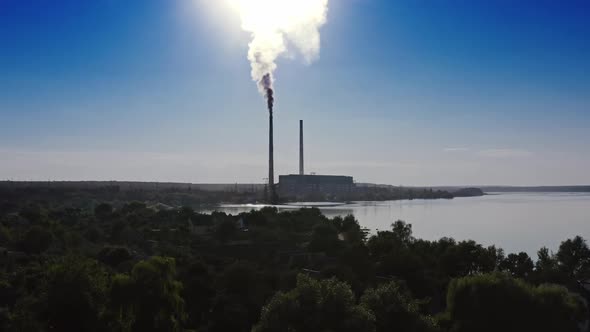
{"points": [[514, 221]]}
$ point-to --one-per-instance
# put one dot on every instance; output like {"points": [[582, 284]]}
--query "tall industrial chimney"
{"points": [[271, 171], [301, 169]]}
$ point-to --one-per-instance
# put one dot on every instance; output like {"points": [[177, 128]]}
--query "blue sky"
{"points": [[432, 92]]}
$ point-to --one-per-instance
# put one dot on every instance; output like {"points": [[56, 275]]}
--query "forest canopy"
{"points": [[132, 266]]}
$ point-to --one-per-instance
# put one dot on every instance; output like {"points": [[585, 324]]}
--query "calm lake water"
{"points": [[513, 221]]}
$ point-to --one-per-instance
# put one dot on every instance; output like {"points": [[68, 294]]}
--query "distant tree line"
{"points": [[377, 193], [85, 197]]}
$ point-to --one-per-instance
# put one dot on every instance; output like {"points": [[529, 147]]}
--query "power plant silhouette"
{"points": [[302, 186]]}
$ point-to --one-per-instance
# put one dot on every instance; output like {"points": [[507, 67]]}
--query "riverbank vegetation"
{"points": [[138, 267], [88, 194]]}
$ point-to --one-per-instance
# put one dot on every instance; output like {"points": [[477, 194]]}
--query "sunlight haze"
{"points": [[413, 93]]}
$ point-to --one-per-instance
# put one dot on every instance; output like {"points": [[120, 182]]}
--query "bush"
{"points": [[113, 256], [103, 211], [498, 302], [396, 310], [36, 240], [76, 295], [327, 305]]}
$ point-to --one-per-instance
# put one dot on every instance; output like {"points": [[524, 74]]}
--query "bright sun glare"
{"points": [[278, 15]]}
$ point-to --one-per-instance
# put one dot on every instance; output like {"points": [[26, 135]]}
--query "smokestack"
{"points": [[271, 171], [301, 169], [267, 83]]}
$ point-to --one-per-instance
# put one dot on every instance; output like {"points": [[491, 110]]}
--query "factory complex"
{"points": [[301, 186]]}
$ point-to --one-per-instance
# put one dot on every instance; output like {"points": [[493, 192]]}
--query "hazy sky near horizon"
{"points": [[429, 92]]}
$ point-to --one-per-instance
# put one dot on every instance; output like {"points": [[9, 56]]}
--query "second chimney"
{"points": [[301, 169]]}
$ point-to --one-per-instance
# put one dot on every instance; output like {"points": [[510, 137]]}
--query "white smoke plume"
{"points": [[279, 27]]}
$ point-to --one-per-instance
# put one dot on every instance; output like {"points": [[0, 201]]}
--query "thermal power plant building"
{"points": [[302, 185]]}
